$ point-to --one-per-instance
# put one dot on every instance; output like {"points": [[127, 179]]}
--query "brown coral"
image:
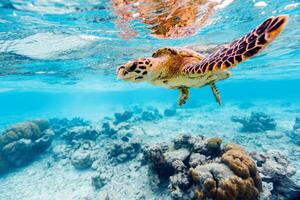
{"points": [[222, 184], [237, 188], [21, 142], [239, 161], [236, 158], [224, 174], [195, 176], [198, 193], [28, 130], [235, 178]]}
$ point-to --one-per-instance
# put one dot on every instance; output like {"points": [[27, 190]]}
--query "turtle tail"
{"points": [[242, 48]]}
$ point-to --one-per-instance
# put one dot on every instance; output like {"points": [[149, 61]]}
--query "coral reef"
{"points": [[80, 145], [81, 154], [295, 133], [257, 122], [217, 181], [109, 156], [198, 168], [108, 129], [82, 141], [122, 131], [22, 142], [150, 114], [123, 117], [277, 170], [60, 125], [122, 151], [80, 133], [297, 124]]}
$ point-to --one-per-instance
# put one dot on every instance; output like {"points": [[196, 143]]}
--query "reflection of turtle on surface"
{"points": [[181, 68], [167, 19]]}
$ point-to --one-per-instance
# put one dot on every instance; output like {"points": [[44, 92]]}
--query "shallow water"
{"points": [[58, 59]]}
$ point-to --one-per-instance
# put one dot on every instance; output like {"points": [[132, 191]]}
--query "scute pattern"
{"points": [[241, 49], [176, 51]]}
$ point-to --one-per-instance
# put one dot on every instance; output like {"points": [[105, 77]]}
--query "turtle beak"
{"points": [[119, 75], [122, 74]]}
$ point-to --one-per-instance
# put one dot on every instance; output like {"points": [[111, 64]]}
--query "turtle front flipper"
{"points": [[184, 94], [239, 50], [215, 92]]}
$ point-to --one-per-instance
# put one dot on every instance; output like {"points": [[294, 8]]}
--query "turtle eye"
{"points": [[132, 67], [122, 67]]}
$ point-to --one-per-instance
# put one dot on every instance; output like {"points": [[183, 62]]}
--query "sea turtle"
{"points": [[182, 68]]}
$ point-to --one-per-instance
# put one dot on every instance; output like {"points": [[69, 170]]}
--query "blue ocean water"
{"points": [[58, 59], [74, 47]]}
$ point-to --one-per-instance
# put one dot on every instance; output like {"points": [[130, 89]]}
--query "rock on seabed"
{"points": [[198, 168]]}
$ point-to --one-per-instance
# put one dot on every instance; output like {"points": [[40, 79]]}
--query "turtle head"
{"points": [[138, 70]]}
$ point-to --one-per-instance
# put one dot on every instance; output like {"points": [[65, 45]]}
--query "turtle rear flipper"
{"points": [[241, 49], [215, 92]]}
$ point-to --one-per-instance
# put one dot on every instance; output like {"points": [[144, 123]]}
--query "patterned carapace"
{"points": [[239, 50]]}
